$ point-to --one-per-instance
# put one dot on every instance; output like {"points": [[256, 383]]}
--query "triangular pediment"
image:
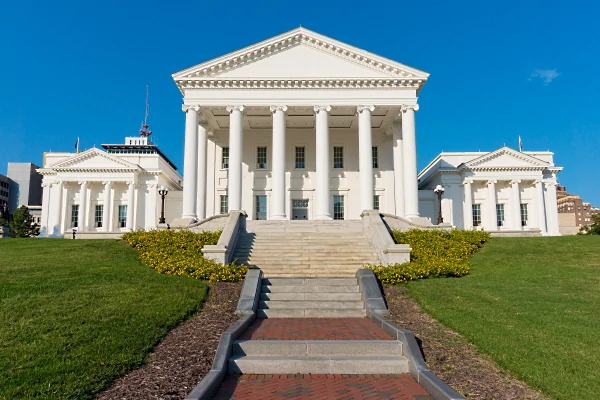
{"points": [[506, 157], [297, 55], [93, 159]]}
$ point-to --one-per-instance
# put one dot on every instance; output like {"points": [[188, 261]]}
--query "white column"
{"points": [[190, 162], [202, 146], [551, 209], [539, 204], [365, 157], [278, 167], [106, 207], [515, 205], [322, 188], [411, 182], [82, 217], [112, 216], [398, 169], [58, 207], [492, 223], [468, 205], [130, 205], [152, 210], [45, 228], [234, 181]]}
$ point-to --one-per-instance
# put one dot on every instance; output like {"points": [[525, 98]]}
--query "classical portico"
{"points": [[300, 121]]}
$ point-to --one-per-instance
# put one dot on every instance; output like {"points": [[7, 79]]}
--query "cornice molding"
{"points": [[536, 162], [210, 70], [301, 83], [70, 163]]}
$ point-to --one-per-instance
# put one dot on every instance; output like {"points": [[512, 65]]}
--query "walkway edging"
{"points": [[247, 307], [437, 388]]}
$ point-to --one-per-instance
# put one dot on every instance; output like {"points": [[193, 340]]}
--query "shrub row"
{"points": [[435, 253], [179, 252]]}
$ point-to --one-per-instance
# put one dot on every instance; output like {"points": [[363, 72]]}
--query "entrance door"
{"points": [[299, 209]]}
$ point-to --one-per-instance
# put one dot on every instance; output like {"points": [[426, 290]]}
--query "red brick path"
{"points": [[321, 387], [314, 329]]}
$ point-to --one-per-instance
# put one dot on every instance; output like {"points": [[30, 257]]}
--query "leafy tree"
{"points": [[594, 228], [22, 224]]}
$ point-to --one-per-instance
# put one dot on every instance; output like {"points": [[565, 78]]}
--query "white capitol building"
{"points": [[297, 127]]}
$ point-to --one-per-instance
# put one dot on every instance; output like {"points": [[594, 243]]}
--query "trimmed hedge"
{"points": [[435, 253], [179, 252]]}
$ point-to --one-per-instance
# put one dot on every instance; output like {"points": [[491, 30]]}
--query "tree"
{"points": [[22, 224], [4, 216], [594, 228]]}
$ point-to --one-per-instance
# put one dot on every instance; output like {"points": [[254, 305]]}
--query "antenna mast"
{"points": [[145, 131]]}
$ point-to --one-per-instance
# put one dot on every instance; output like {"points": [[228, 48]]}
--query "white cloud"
{"points": [[546, 75]]}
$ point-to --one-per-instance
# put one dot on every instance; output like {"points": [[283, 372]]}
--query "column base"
{"points": [[278, 218], [323, 218]]}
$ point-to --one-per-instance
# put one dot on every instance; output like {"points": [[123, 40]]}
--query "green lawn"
{"points": [[76, 314], [533, 304]]}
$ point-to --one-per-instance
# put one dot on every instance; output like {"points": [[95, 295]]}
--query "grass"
{"points": [[533, 304], [76, 314]]}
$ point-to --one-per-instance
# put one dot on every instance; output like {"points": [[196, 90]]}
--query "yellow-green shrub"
{"points": [[435, 253], [179, 252]]}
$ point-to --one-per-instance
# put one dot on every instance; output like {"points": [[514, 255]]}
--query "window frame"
{"points": [[224, 150], [376, 202], [375, 156], [296, 148], [122, 215], [74, 215], [334, 156], [500, 215], [257, 209], [259, 148], [223, 203], [98, 215], [476, 207], [336, 214], [524, 211]]}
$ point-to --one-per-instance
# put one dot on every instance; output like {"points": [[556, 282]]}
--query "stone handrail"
{"points": [[409, 224], [222, 252], [205, 220], [388, 251]]}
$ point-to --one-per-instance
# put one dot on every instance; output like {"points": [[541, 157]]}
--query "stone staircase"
{"points": [[310, 298], [305, 248], [317, 357]]}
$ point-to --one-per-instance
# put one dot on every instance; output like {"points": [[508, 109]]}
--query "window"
{"points": [[376, 201], [476, 214], [74, 215], [224, 204], [225, 158], [500, 214], [338, 207], [523, 214], [261, 157], [375, 158], [122, 216], [98, 216], [338, 157], [300, 151], [261, 207]]}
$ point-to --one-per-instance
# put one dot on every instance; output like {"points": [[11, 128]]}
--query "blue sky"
{"points": [[498, 70]]}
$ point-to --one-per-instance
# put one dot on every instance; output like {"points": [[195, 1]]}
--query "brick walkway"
{"points": [[314, 329], [321, 387]]}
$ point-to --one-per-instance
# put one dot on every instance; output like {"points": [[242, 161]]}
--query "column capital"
{"points": [[515, 182], [360, 109], [491, 182], [187, 107], [132, 183], [274, 109], [82, 182], [231, 109], [404, 108], [467, 182], [107, 183], [318, 109]]}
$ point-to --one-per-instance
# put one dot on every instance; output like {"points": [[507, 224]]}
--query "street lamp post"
{"points": [[163, 193], [439, 190]]}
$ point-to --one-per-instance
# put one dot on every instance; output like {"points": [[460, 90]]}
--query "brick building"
{"points": [[573, 212]]}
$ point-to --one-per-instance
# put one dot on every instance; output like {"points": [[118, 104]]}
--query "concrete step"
{"points": [[337, 274], [333, 259], [310, 289], [318, 365], [309, 304], [302, 248], [297, 296], [311, 313], [316, 348], [310, 281]]}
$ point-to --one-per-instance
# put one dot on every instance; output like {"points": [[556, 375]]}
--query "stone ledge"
{"points": [[371, 293]]}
